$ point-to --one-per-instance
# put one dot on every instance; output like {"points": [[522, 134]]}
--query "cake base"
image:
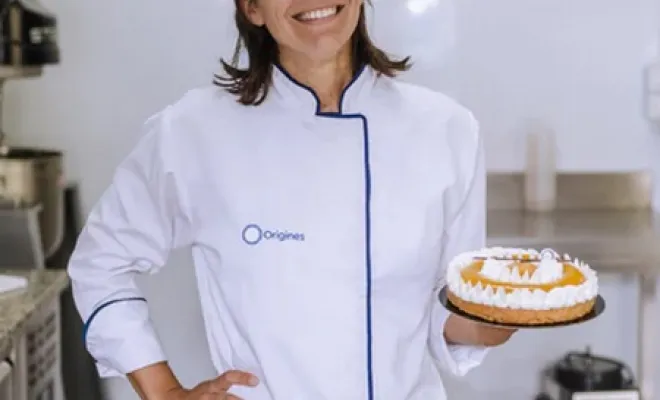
{"points": [[522, 317]]}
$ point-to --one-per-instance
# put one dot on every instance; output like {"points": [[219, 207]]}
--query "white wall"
{"points": [[576, 64]]}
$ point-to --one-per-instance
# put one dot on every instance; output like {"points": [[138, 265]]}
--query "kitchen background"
{"points": [[577, 65]]}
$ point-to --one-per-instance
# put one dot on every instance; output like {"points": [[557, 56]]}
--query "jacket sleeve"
{"points": [[466, 232], [130, 231]]}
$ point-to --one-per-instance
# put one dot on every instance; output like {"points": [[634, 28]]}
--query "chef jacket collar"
{"points": [[300, 97]]}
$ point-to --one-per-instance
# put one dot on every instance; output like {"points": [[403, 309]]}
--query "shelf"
{"points": [[7, 72]]}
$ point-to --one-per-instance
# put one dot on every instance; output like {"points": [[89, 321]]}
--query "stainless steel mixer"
{"points": [[33, 178], [30, 178]]}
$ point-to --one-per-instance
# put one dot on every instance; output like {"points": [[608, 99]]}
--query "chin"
{"points": [[327, 49]]}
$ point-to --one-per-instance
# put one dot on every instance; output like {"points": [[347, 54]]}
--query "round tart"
{"points": [[522, 287]]}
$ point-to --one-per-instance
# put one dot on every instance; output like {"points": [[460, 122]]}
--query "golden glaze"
{"points": [[472, 274]]}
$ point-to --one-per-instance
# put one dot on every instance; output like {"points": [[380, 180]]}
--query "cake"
{"points": [[521, 287]]}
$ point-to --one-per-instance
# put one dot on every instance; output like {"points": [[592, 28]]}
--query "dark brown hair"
{"points": [[251, 84]]}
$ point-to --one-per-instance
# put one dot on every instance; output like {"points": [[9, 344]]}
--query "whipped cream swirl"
{"points": [[500, 266], [546, 271]]}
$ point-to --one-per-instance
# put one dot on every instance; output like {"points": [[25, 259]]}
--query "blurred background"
{"points": [[577, 76]]}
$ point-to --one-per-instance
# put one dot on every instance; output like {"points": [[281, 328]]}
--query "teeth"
{"points": [[318, 14]]}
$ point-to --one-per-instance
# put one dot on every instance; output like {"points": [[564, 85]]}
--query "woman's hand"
{"points": [[493, 336], [215, 389], [459, 330]]}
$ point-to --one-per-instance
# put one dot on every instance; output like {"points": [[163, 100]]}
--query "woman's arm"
{"points": [[463, 332], [130, 231], [460, 344], [154, 382], [157, 382]]}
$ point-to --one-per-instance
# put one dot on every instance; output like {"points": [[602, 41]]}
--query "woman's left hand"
{"points": [[459, 330]]}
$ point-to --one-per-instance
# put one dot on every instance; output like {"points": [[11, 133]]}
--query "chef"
{"points": [[321, 200]]}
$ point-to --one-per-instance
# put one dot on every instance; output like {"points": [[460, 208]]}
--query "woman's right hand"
{"points": [[215, 389]]}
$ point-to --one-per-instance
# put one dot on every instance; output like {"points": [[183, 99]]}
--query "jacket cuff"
{"points": [[132, 358], [122, 340], [456, 359], [460, 360]]}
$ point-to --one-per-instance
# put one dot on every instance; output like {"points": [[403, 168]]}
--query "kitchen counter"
{"points": [[17, 308], [610, 241]]}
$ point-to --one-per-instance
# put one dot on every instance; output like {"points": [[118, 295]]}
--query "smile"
{"points": [[318, 14]]}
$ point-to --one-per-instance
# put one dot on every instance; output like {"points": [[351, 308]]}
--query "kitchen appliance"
{"points": [[29, 35], [31, 192], [20, 238], [584, 376], [30, 178], [33, 178]]}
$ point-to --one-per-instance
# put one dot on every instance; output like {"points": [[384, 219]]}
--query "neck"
{"points": [[327, 79]]}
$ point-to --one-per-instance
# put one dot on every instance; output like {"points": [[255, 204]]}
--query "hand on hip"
{"points": [[216, 389]]}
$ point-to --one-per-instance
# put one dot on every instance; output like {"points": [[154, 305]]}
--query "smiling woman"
{"points": [[322, 201], [292, 32]]}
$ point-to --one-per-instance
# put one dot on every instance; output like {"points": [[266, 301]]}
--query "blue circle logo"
{"points": [[252, 234]]}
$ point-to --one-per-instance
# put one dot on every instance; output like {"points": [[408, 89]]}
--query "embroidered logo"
{"points": [[253, 234]]}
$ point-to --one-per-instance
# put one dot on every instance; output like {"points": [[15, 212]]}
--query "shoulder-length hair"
{"points": [[251, 84]]}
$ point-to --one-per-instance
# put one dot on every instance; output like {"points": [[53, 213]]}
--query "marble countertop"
{"points": [[611, 241], [17, 307]]}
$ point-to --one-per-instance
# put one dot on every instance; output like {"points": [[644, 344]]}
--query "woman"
{"points": [[322, 200]]}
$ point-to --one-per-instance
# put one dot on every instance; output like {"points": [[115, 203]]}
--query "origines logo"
{"points": [[253, 234]]}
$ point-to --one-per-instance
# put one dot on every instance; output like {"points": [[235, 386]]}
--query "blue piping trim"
{"points": [[318, 111], [101, 307], [367, 206]]}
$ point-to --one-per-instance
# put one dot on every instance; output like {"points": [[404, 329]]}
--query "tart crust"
{"points": [[522, 316]]}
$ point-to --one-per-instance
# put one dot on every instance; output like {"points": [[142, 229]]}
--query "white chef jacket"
{"points": [[319, 239]]}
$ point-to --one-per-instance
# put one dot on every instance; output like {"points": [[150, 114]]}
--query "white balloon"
{"points": [[421, 29]]}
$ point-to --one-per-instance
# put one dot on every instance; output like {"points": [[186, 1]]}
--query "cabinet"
{"points": [[30, 359], [31, 371], [6, 380], [19, 374], [42, 355], [12, 374]]}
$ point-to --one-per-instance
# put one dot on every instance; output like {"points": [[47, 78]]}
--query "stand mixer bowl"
{"points": [[34, 177]]}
